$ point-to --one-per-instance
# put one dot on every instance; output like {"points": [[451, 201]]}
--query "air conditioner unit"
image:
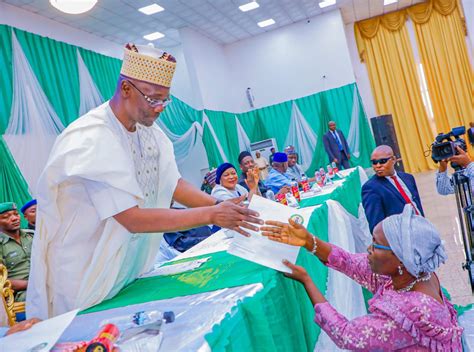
{"points": [[263, 147]]}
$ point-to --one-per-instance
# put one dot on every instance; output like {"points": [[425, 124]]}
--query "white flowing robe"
{"points": [[81, 255]]}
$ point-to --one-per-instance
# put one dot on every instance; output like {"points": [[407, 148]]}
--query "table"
{"points": [[260, 321]]}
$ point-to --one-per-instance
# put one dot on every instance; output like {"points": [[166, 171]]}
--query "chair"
{"points": [[14, 310]]}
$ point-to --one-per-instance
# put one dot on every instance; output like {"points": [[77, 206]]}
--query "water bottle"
{"points": [[317, 176], [334, 167], [304, 183], [330, 173], [295, 190], [292, 202], [270, 195], [134, 320], [323, 175]]}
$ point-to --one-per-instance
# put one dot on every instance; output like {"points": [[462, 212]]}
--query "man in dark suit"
{"points": [[336, 146], [388, 191]]}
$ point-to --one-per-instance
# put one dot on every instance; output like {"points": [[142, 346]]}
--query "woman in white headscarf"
{"points": [[408, 311]]}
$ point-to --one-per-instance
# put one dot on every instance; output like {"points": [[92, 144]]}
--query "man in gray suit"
{"points": [[336, 146]]}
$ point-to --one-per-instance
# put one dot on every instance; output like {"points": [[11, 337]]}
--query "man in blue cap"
{"points": [[29, 212], [15, 249], [277, 177]]}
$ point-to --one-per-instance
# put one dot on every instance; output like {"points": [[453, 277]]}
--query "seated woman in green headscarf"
{"points": [[408, 311]]}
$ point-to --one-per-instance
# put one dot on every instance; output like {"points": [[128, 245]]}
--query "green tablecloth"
{"points": [[279, 317], [348, 194]]}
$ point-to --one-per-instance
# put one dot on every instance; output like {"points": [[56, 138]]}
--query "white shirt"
{"points": [[222, 193], [444, 184], [81, 255], [404, 187]]}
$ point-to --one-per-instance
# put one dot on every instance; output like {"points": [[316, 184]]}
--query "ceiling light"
{"points": [[266, 23], [151, 9], [326, 3], [73, 7], [388, 2], [154, 36], [249, 6]]}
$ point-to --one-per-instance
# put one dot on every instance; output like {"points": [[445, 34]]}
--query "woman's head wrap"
{"points": [[221, 169], [415, 241]]}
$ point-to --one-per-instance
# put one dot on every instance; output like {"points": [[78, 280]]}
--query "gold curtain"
{"points": [[384, 45], [440, 35]]}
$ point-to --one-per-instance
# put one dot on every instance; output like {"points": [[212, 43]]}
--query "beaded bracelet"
{"points": [[315, 246]]}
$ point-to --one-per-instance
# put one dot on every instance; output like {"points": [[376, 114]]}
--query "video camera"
{"points": [[444, 145]]}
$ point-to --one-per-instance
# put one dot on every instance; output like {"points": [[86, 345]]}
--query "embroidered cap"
{"points": [[148, 64], [290, 150]]}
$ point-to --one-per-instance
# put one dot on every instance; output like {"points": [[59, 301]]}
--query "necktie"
{"points": [[403, 193], [338, 141]]}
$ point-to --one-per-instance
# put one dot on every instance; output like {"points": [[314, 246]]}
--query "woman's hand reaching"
{"points": [[291, 233]]}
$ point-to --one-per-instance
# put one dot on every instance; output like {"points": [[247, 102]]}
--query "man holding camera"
{"points": [[444, 185]]}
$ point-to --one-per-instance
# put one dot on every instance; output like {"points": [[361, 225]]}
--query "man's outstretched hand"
{"points": [[234, 215]]}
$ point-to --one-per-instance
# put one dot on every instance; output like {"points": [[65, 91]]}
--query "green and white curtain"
{"points": [[302, 137], [33, 124], [46, 84]]}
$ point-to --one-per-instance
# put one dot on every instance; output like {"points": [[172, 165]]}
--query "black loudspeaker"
{"points": [[384, 133]]}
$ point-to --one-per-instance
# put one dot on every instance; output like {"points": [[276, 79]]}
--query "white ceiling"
{"points": [[220, 20]]}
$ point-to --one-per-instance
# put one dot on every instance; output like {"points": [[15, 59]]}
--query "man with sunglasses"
{"points": [[106, 191], [388, 191]]}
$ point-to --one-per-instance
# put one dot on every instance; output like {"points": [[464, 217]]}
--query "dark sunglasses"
{"points": [[380, 161]]}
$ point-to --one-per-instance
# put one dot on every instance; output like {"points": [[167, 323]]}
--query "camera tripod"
{"points": [[462, 190]]}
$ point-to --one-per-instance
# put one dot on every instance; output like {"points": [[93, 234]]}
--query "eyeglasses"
{"points": [[379, 246], [380, 161], [154, 103]]}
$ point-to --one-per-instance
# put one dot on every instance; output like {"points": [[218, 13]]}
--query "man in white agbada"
{"points": [[105, 193]]}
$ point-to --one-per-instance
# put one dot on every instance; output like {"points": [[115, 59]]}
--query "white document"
{"points": [[40, 337], [261, 250], [176, 268], [217, 242], [270, 210]]}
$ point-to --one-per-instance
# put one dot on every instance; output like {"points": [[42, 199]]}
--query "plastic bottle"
{"points": [[334, 167], [323, 175], [317, 177], [330, 173], [125, 322], [292, 202], [270, 195], [295, 190], [304, 183]]}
